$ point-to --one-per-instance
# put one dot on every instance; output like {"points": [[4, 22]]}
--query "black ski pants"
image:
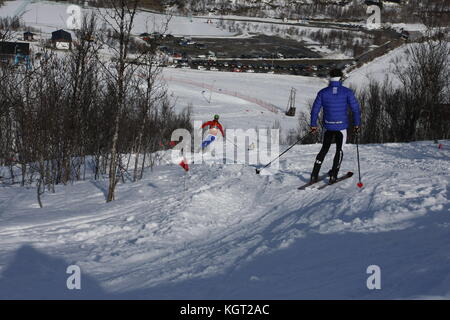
{"points": [[329, 138]]}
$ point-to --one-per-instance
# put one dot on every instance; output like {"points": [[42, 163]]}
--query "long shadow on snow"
{"points": [[414, 262], [32, 274], [101, 187]]}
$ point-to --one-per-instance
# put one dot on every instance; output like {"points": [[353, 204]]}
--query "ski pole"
{"points": [[360, 184], [258, 171]]}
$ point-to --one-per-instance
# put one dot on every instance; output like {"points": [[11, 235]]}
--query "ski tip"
{"points": [[258, 171], [349, 174]]}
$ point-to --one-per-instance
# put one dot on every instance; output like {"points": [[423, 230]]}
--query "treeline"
{"points": [[351, 43], [434, 12], [85, 113], [411, 106], [7, 26], [415, 105]]}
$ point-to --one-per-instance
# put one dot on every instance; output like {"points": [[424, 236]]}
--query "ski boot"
{"points": [[315, 172], [314, 179], [333, 176]]}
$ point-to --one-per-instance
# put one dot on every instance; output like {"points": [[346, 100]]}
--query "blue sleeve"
{"points": [[316, 109], [354, 106]]}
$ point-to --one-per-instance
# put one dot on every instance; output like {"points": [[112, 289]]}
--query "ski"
{"points": [[347, 176], [309, 184]]}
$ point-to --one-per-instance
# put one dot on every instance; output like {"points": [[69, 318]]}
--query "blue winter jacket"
{"points": [[335, 100]]}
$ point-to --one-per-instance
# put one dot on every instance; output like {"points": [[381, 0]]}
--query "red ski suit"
{"points": [[214, 124]]}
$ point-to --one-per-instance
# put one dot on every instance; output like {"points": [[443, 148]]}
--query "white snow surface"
{"points": [[243, 100], [381, 69], [48, 16], [223, 232]]}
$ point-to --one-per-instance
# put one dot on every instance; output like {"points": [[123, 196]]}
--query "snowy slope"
{"points": [[224, 232], [380, 69], [243, 100], [48, 16]]}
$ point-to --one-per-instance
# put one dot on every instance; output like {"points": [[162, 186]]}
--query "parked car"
{"points": [[177, 55], [200, 46]]}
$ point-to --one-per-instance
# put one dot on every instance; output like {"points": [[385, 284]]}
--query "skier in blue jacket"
{"points": [[335, 100]]}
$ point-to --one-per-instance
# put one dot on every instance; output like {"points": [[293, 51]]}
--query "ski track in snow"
{"points": [[157, 234]]}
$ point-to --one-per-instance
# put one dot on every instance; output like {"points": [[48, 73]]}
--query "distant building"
{"points": [[374, 3], [15, 53], [28, 36], [61, 40], [404, 34]]}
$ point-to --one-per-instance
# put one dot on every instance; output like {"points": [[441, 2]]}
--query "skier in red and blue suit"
{"points": [[335, 100], [214, 128]]}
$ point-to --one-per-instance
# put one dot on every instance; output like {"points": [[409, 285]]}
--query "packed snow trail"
{"points": [[235, 234]]}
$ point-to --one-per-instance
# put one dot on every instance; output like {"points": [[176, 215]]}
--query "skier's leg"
{"points": [[205, 142], [209, 139], [321, 156], [339, 154]]}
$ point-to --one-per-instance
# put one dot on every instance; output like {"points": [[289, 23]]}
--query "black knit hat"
{"points": [[335, 73]]}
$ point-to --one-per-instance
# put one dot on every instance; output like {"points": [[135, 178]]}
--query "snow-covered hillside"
{"points": [[47, 16], [380, 69], [222, 231], [383, 68], [243, 100]]}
